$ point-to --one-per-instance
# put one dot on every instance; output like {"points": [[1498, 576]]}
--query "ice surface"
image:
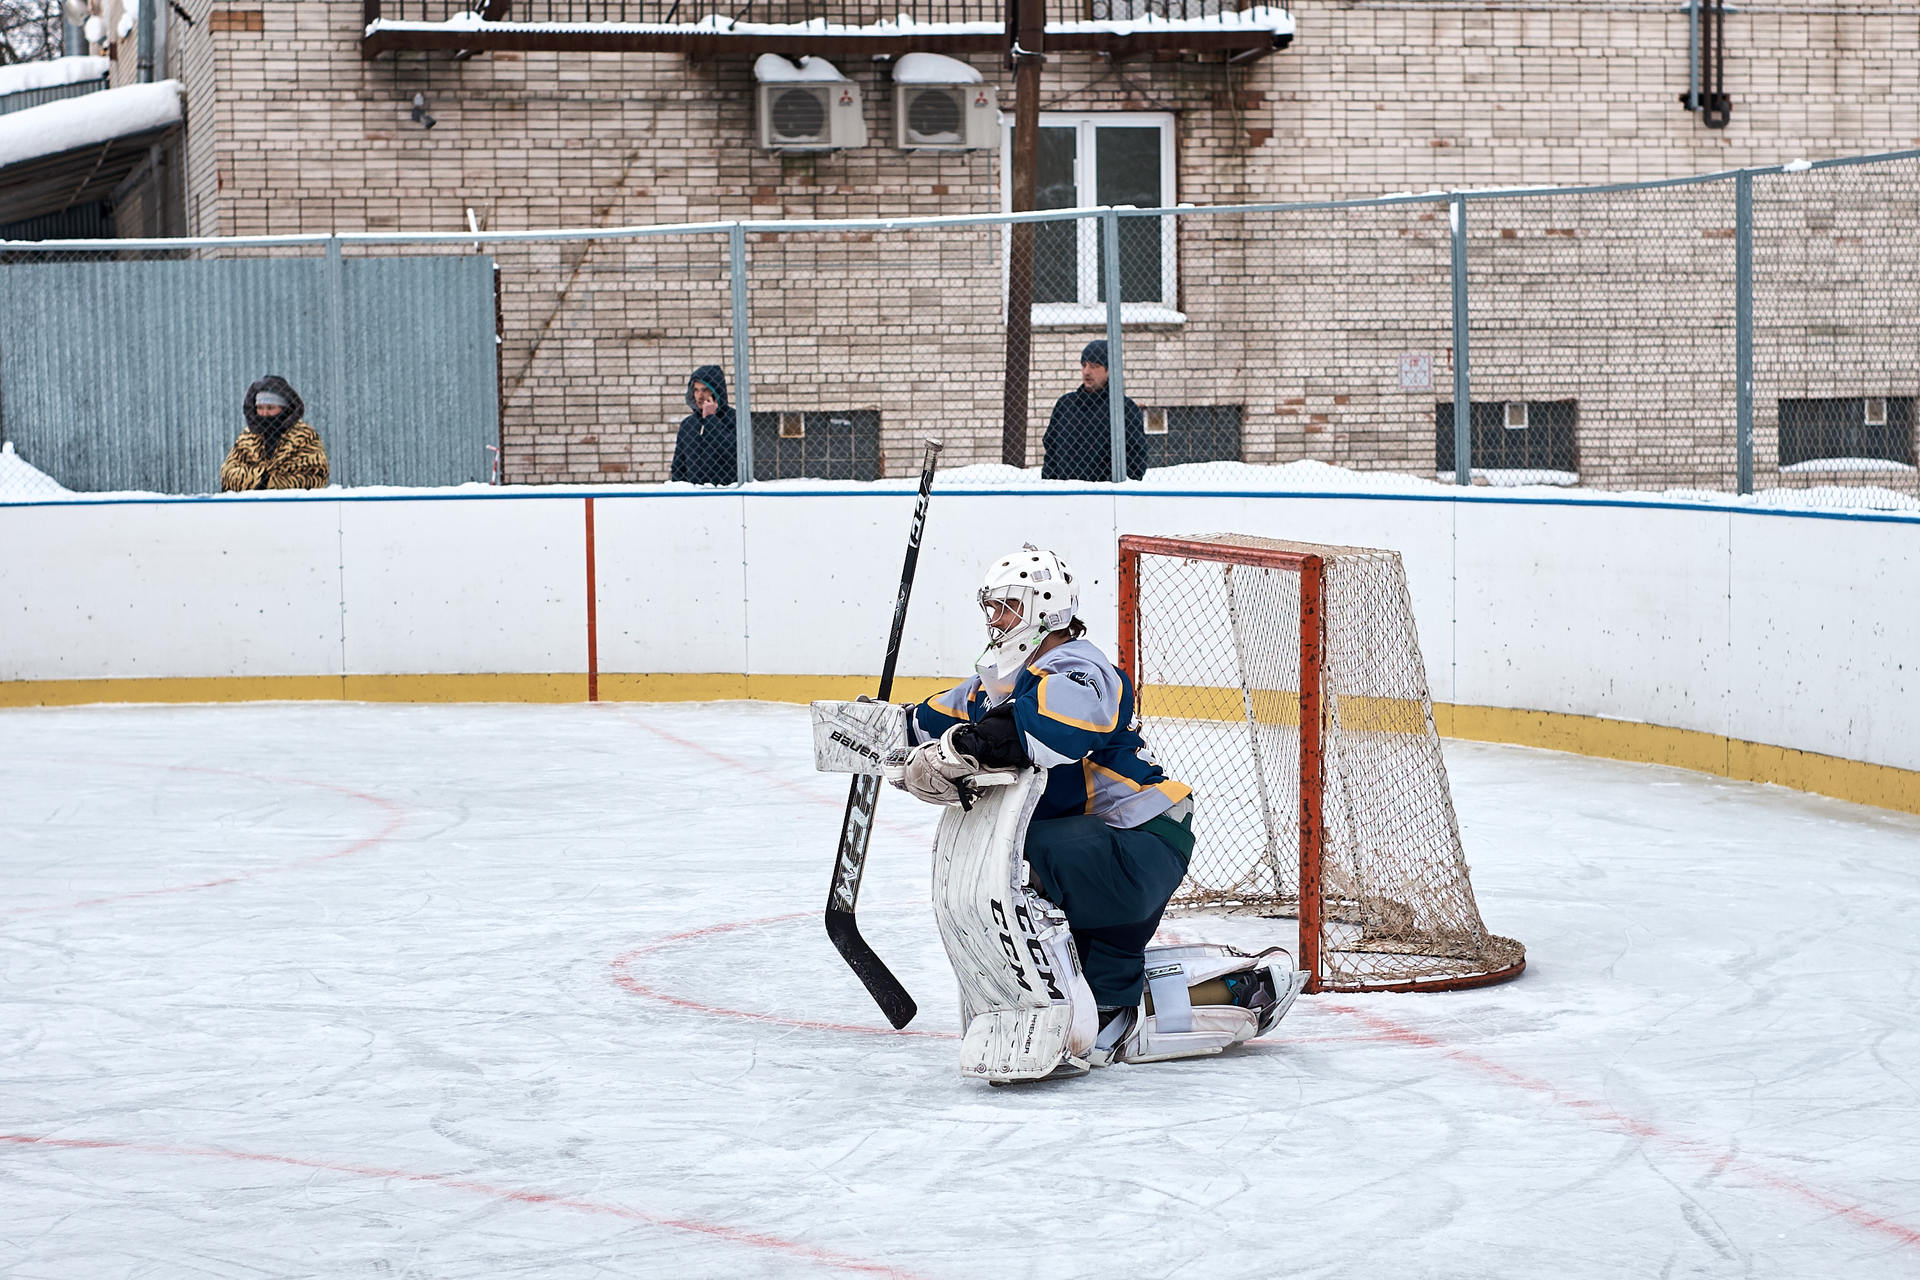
{"points": [[332, 990]]}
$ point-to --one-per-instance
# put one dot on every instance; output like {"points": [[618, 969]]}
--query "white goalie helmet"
{"points": [[1039, 586]]}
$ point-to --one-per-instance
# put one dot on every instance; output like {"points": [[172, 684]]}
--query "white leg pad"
{"points": [[1025, 1006], [1178, 1028]]}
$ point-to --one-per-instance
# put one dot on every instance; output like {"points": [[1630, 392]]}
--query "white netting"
{"points": [[1217, 664]]}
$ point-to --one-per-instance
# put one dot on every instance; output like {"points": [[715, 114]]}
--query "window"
{"points": [[1864, 433], [1513, 441], [830, 445], [1085, 161], [1182, 433]]}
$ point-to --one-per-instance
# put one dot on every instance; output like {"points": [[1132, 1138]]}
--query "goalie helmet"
{"points": [[1039, 587]]}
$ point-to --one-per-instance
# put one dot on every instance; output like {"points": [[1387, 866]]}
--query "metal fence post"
{"points": [[1743, 327], [336, 314], [742, 371], [1116, 373], [1462, 402]]}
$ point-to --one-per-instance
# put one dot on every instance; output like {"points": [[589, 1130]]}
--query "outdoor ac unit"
{"points": [[809, 107], [945, 117]]}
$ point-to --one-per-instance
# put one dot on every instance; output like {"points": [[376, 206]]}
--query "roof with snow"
{"points": [[49, 73], [933, 68], [78, 150], [771, 68], [964, 26]]}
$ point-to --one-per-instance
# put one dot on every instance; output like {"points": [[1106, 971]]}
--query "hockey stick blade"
{"points": [[885, 989]]}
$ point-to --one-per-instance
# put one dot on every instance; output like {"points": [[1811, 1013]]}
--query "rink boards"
{"points": [[1766, 645]]}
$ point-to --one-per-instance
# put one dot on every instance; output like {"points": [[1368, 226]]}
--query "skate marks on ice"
{"points": [[418, 1060]]}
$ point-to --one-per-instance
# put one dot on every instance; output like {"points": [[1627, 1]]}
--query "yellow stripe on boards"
{"points": [[1880, 785]]}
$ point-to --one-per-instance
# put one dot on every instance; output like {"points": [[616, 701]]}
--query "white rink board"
{"points": [[1791, 630], [157, 591], [672, 585], [1811, 667], [1572, 609], [454, 586]]}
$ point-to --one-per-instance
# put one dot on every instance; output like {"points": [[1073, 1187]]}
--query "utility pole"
{"points": [[1026, 36]]}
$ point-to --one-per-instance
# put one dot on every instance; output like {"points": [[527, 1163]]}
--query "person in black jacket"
{"points": [[707, 451], [1079, 438]]}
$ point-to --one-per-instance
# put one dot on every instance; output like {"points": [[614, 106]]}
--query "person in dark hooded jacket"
{"points": [[707, 450], [1079, 440], [278, 450]]}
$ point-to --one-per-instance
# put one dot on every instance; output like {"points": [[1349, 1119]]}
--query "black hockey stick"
{"points": [[856, 829]]}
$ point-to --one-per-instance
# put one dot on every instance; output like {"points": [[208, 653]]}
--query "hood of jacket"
{"points": [[716, 381], [295, 411]]}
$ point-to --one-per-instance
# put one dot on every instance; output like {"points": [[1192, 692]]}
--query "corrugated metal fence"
{"points": [[129, 374]]}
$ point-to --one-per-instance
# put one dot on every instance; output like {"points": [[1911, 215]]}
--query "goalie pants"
{"points": [[1113, 883]]}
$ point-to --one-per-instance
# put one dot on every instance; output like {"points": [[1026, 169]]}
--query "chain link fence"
{"points": [[1747, 333]]}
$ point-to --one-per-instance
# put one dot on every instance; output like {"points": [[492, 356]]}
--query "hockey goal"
{"points": [[1282, 681]]}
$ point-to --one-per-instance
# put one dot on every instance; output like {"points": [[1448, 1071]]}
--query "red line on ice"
{"points": [[623, 976], [395, 816], [1609, 1118], [733, 1235]]}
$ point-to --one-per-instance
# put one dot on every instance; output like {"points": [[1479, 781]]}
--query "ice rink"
{"points": [[489, 991]]}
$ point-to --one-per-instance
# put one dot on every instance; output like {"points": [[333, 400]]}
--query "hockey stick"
{"points": [[856, 829]]}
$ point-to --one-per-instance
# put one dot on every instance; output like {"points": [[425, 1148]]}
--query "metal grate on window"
{"points": [[1525, 440], [834, 444], [1193, 433], [1846, 434]]}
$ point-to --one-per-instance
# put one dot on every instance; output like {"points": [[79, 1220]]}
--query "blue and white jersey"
{"points": [[1074, 712]]}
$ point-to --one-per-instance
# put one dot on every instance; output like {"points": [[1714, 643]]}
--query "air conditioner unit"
{"points": [[945, 117], [809, 107]]}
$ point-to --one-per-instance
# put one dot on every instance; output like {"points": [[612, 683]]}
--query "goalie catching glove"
{"points": [[940, 771], [935, 771]]}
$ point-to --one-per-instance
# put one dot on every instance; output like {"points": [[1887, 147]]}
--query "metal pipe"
{"points": [[742, 368], [1743, 328], [1116, 372], [143, 64], [1693, 55], [1462, 389]]}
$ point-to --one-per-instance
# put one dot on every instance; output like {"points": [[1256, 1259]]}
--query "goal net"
{"points": [[1282, 681]]}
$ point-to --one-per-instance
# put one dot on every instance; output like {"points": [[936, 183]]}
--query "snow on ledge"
{"points": [[50, 74], [933, 68], [1846, 464], [1264, 18], [53, 127], [771, 68]]}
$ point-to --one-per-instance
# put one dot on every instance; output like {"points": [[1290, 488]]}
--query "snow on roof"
{"points": [[933, 68], [49, 73], [54, 127], [771, 68], [1261, 18]]}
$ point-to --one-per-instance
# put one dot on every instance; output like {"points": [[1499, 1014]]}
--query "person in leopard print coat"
{"points": [[278, 450]]}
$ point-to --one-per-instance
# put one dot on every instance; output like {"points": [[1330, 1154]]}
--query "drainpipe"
{"points": [[144, 65]]}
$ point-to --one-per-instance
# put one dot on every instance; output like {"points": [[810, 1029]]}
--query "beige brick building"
{"points": [[1299, 321]]}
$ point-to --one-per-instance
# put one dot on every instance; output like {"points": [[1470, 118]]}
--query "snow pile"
{"points": [[933, 68], [51, 73], [54, 127], [771, 68], [129, 14], [21, 479]]}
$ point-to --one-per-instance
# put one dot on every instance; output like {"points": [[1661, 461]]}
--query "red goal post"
{"points": [[1283, 682]]}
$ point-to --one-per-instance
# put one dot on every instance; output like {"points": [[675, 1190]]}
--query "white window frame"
{"points": [[1088, 311]]}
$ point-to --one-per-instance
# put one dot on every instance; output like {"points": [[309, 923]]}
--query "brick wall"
{"points": [[1302, 318]]}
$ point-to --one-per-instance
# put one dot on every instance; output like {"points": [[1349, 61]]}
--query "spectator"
{"points": [[1079, 441], [278, 450], [707, 450]]}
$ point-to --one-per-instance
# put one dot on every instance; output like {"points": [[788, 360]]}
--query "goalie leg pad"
{"points": [[1178, 1028], [1025, 1006]]}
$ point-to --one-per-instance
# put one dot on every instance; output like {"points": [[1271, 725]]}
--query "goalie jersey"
{"points": [[1074, 713]]}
